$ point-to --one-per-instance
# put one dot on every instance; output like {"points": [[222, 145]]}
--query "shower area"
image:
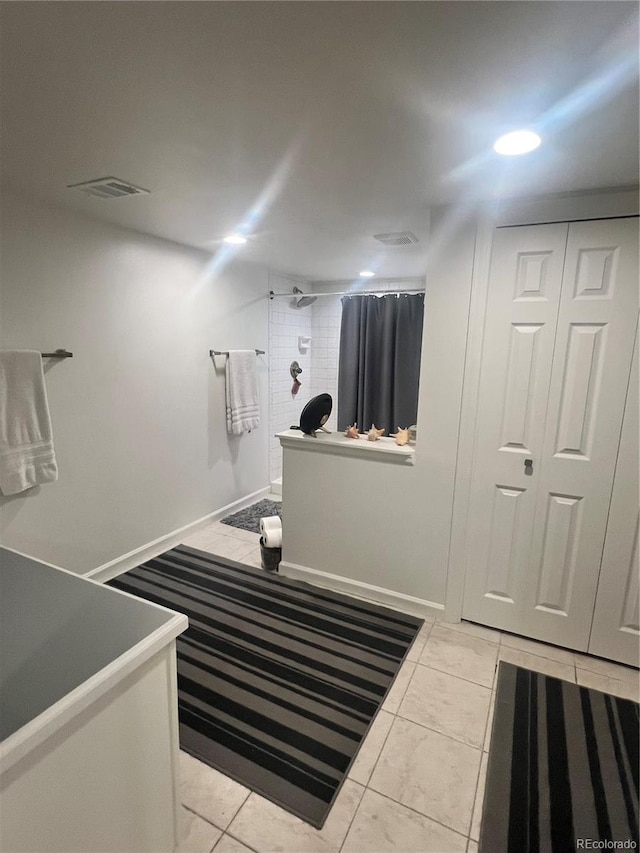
{"points": [[304, 327]]}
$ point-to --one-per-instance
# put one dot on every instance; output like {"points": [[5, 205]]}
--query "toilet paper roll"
{"points": [[271, 530]]}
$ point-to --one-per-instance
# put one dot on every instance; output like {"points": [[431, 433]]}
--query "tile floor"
{"points": [[418, 781]]}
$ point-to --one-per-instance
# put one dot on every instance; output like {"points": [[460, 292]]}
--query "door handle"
{"points": [[528, 466]]}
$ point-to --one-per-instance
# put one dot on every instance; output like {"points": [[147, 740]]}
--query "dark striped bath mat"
{"points": [[278, 680], [563, 768]]}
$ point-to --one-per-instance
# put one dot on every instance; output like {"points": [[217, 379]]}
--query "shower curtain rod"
{"points": [[213, 352], [273, 295]]}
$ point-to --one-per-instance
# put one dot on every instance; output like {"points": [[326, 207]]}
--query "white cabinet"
{"points": [[88, 715], [561, 316]]}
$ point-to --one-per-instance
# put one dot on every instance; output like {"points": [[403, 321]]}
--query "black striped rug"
{"points": [[278, 680], [563, 768]]}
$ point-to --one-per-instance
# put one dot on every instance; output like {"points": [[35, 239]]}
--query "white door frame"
{"points": [[611, 637], [561, 208]]}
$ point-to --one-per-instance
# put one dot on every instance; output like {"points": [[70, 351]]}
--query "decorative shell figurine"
{"points": [[352, 431], [374, 434], [401, 437]]}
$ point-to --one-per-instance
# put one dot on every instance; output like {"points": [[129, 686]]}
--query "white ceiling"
{"points": [[321, 123]]}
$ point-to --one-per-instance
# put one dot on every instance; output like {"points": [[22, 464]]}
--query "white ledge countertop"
{"points": [[383, 450]]}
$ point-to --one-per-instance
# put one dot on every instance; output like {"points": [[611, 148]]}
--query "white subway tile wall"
{"points": [[325, 348], [287, 324]]}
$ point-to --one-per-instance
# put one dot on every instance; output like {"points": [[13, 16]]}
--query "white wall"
{"points": [[138, 414], [386, 525], [444, 341]]}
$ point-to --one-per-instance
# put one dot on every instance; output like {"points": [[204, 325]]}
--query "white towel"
{"points": [[26, 446], [243, 413]]}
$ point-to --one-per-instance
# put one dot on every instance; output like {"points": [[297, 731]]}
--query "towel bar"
{"points": [[213, 352], [59, 353]]}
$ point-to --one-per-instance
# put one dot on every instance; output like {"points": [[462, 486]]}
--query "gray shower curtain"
{"points": [[379, 367]]}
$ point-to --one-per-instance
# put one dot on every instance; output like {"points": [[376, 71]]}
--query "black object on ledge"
{"points": [[59, 353]]}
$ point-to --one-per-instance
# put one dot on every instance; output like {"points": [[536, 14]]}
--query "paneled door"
{"points": [[517, 356], [615, 632], [561, 314]]}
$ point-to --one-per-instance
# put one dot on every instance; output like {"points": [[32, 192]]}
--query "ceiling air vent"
{"points": [[401, 238], [108, 188]]}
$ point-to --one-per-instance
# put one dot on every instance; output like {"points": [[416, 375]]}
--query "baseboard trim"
{"points": [[397, 600], [146, 552], [276, 486]]}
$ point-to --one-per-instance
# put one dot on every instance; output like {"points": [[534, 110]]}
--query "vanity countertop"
{"points": [[65, 641]]}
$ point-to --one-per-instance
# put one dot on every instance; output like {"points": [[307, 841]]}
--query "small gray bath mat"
{"points": [[249, 518]]}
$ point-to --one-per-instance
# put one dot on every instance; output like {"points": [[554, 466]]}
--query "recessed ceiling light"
{"points": [[517, 142], [235, 239], [366, 274]]}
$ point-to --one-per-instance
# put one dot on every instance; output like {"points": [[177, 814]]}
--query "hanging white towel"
{"points": [[243, 413], [26, 445]]}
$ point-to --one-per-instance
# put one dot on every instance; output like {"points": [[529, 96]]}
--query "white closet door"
{"points": [[615, 632], [592, 360], [536, 532], [522, 308]]}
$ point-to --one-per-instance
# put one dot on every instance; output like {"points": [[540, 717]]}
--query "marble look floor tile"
{"points": [[253, 559], [394, 697], [215, 527], [538, 664], [239, 533], [214, 543], [219, 526], [267, 828], [473, 630], [384, 826], [533, 647], [447, 704], [248, 554], [607, 668], [200, 539], [487, 735], [418, 644], [430, 773], [362, 767], [197, 835], [233, 549], [623, 689], [460, 654], [208, 792], [227, 844], [477, 806]]}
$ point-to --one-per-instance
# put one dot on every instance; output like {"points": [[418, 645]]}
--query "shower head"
{"points": [[303, 300]]}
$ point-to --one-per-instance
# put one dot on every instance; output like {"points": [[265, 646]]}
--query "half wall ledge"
{"points": [[337, 444]]}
